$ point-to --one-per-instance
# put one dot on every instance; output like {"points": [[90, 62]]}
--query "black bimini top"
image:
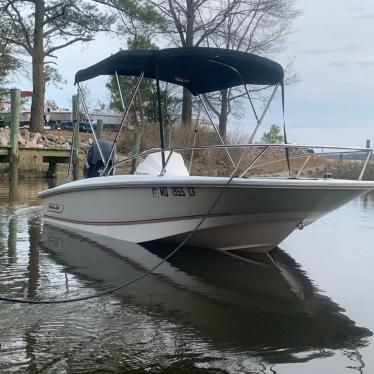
{"points": [[200, 70]]}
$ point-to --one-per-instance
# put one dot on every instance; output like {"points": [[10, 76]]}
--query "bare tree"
{"points": [[189, 23], [255, 26], [40, 28]]}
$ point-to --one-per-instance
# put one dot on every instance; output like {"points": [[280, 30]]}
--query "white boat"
{"points": [[162, 201]]}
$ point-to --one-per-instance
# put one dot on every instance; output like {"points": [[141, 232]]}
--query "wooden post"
{"points": [[52, 170], [12, 239], [75, 140], [135, 149], [34, 257], [368, 143], [99, 128], [15, 97], [167, 134]]}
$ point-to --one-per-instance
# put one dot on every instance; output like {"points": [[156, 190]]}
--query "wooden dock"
{"points": [[33, 160], [35, 157]]}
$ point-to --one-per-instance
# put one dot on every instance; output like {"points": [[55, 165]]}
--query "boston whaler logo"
{"points": [[56, 208]]}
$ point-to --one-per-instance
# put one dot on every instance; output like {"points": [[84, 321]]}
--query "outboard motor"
{"points": [[94, 164]]}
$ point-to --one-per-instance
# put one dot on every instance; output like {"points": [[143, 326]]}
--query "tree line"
{"points": [[32, 31]]}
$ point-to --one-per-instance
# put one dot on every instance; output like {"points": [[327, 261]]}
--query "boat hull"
{"points": [[253, 214]]}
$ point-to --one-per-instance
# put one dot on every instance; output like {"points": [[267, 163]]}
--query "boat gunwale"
{"points": [[146, 181]]}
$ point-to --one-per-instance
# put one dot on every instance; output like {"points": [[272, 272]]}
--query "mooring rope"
{"points": [[141, 276]]}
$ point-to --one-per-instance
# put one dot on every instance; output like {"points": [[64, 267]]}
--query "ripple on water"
{"points": [[187, 318]]}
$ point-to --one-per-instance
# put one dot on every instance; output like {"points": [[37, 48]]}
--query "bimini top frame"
{"points": [[200, 70]]}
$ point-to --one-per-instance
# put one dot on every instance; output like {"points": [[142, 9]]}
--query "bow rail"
{"points": [[309, 152]]}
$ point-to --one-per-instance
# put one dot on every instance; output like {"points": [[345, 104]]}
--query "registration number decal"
{"points": [[174, 191], [56, 208]]}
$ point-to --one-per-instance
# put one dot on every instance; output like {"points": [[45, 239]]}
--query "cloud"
{"points": [[339, 64], [365, 16], [361, 12], [347, 48], [365, 64], [316, 51]]}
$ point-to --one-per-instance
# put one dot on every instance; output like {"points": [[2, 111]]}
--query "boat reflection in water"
{"points": [[264, 304]]}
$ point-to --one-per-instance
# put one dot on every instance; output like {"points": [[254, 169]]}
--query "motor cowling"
{"points": [[94, 165]]}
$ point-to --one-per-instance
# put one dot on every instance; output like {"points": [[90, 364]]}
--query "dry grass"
{"points": [[215, 162]]}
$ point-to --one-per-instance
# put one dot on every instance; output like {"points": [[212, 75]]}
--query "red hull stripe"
{"points": [[144, 221]]}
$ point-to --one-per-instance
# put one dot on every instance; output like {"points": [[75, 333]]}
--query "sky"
{"points": [[332, 49], [333, 53]]}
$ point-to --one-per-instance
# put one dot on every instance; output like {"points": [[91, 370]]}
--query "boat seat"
{"points": [[152, 165]]}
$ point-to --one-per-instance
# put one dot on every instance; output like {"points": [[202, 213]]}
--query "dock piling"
{"points": [[99, 128], [15, 97], [135, 149]]}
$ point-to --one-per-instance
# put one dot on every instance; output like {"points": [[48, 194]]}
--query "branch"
{"points": [[210, 105], [177, 22], [223, 15], [262, 88], [23, 26], [61, 46], [17, 42], [164, 10], [254, 29], [17, 24], [51, 31], [244, 34], [198, 4], [57, 15], [111, 3]]}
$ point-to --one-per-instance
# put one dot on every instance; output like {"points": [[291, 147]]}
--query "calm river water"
{"points": [[309, 308]]}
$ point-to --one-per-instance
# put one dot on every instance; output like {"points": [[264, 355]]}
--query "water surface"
{"points": [[307, 308]]}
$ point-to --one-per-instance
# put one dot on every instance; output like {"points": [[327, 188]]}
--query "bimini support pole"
{"points": [[215, 129], [194, 138], [123, 121], [120, 91], [370, 152], [285, 132], [259, 120], [89, 121], [162, 140]]}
